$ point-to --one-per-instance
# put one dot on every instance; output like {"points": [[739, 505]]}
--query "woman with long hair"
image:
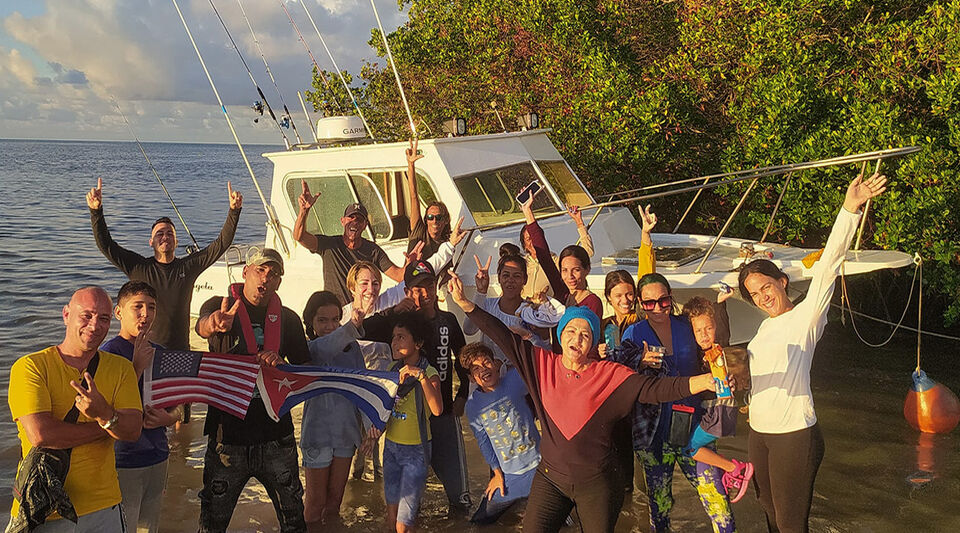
{"points": [[785, 444]]}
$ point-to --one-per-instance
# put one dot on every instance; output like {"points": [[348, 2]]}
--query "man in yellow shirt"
{"points": [[43, 388]]}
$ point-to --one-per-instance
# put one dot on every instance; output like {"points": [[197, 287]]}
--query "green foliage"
{"points": [[646, 91]]}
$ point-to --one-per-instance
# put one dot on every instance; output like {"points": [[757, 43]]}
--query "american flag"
{"points": [[224, 381]]}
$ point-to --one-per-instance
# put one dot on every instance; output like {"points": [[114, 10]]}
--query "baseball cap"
{"points": [[355, 209], [419, 274], [264, 256]]}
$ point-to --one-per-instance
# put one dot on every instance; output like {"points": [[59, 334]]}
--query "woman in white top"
{"points": [[786, 446], [511, 275]]}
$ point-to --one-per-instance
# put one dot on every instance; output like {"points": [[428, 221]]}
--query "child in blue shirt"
{"points": [[505, 430]]}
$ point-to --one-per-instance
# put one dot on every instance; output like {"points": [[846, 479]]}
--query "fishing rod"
{"points": [[740, 175], [271, 215], [155, 173], [335, 67], [263, 98], [315, 64], [393, 65], [270, 73]]}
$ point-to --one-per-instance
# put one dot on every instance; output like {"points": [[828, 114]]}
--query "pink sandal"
{"points": [[736, 482]]}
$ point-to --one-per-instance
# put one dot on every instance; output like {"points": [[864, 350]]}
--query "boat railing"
{"points": [[721, 179]]}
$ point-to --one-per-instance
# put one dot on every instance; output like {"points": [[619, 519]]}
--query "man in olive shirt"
{"points": [[340, 252], [173, 277]]}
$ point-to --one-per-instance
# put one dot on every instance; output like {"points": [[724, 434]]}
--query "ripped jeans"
{"points": [[228, 467]]}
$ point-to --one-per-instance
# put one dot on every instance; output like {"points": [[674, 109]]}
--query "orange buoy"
{"points": [[931, 407]]}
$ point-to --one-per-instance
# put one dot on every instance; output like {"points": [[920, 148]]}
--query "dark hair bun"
{"points": [[508, 249]]}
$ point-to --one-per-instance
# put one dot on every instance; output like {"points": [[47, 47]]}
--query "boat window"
{"points": [[335, 194], [391, 186], [564, 182], [490, 195]]}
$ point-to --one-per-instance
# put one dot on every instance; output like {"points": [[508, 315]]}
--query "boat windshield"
{"points": [[491, 194], [563, 181]]}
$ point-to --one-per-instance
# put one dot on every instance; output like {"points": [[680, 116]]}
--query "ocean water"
{"points": [[867, 482]]}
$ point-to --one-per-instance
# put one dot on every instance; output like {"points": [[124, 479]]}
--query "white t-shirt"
{"points": [[782, 351], [492, 306]]}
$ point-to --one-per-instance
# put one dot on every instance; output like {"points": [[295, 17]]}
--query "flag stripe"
{"points": [[204, 384], [369, 398], [201, 388], [199, 397], [231, 361], [211, 372]]}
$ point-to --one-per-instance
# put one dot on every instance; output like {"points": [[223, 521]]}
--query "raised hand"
{"points": [[269, 358], [221, 321], [142, 350], [306, 200], [363, 304], [457, 234], [575, 213], [236, 198], [95, 195], [412, 155], [651, 358], [483, 274], [90, 402], [860, 190], [413, 255], [648, 218], [455, 288]]}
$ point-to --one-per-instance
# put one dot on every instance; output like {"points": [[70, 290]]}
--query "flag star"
{"points": [[285, 382]]}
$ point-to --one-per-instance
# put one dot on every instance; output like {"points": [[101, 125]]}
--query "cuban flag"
{"points": [[284, 386]]}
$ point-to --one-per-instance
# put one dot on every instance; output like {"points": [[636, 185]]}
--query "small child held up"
{"points": [[505, 430], [720, 415]]}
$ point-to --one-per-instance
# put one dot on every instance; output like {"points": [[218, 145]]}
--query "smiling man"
{"points": [[44, 386], [251, 320], [172, 277], [340, 252]]}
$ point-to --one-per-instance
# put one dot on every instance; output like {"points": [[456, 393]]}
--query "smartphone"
{"points": [[725, 288], [528, 191]]}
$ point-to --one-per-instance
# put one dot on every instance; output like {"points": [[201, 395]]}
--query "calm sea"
{"points": [[47, 249]]}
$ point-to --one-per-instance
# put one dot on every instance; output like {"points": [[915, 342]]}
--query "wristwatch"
{"points": [[113, 420]]}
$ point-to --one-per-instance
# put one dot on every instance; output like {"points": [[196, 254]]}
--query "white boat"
{"points": [[477, 177]]}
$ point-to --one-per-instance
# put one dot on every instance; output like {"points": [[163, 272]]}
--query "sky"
{"points": [[64, 62]]}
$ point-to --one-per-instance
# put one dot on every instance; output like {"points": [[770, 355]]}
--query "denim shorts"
{"points": [[322, 456], [404, 478]]}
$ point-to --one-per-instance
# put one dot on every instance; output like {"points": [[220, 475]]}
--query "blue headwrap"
{"points": [[584, 313]]}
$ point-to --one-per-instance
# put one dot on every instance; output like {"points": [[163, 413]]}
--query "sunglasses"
{"points": [[438, 218], [664, 302]]}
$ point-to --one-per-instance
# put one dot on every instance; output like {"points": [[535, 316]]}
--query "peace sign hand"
{"points": [[648, 218], [413, 255], [483, 274], [95, 195], [221, 321], [455, 288], [457, 234], [412, 153], [90, 402], [236, 198], [306, 200]]}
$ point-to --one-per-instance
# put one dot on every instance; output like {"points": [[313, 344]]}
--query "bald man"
{"points": [[45, 385]]}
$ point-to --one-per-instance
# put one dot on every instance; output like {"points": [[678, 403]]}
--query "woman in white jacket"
{"points": [[786, 446]]}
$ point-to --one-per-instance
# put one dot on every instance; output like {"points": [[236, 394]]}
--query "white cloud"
{"points": [[139, 52]]}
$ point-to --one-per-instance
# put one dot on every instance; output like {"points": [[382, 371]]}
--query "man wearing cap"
{"points": [[173, 277], [441, 348], [250, 320], [340, 252]]}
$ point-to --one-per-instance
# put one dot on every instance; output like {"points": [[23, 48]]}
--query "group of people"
{"points": [[561, 400]]}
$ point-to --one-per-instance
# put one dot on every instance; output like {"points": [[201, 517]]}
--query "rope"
{"points": [[919, 309], [403, 96], [845, 306]]}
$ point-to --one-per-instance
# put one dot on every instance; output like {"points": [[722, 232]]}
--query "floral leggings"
{"points": [[658, 466]]}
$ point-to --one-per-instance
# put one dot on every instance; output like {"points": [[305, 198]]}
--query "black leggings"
{"points": [[785, 467], [598, 502]]}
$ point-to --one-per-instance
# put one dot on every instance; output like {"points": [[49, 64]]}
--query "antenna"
{"points": [[270, 73], [393, 65], [335, 67], [271, 216]]}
